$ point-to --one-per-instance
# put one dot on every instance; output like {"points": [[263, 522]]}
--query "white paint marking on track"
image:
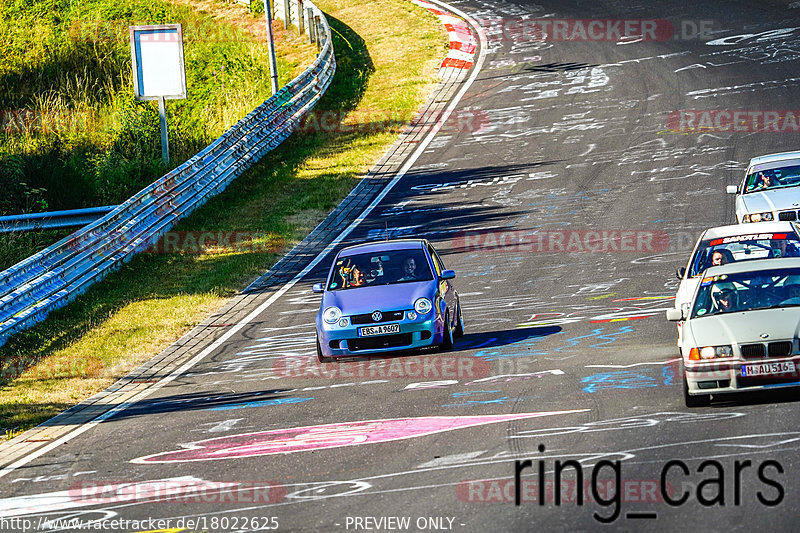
{"points": [[272, 299], [657, 363]]}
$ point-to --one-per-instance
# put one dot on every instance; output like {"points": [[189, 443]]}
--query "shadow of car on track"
{"points": [[495, 339], [470, 341], [206, 401], [757, 397]]}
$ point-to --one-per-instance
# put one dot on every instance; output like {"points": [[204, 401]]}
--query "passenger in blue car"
{"points": [[409, 269]]}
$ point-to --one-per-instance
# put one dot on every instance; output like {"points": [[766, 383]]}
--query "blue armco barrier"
{"points": [[52, 219], [50, 279]]}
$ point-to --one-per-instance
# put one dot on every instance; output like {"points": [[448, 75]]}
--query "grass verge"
{"points": [[387, 55]]}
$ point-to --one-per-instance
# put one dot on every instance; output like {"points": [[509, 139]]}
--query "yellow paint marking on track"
{"points": [[609, 295]]}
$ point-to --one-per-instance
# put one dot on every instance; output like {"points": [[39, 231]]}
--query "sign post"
{"points": [[159, 72], [273, 63]]}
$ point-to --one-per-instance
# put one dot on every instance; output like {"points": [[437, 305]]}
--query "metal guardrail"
{"points": [[53, 277], [52, 219]]}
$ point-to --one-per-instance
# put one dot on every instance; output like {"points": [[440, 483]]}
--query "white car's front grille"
{"points": [[761, 350]]}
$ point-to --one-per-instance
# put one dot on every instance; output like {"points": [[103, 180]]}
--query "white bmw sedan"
{"points": [[735, 243], [740, 332], [770, 189]]}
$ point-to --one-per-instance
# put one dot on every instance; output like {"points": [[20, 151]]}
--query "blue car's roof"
{"points": [[379, 246]]}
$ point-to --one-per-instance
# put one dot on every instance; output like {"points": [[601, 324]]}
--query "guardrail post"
{"points": [[312, 32], [300, 17], [317, 25], [287, 15]]}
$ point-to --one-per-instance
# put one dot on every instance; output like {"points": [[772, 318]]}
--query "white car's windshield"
{"points": [[776, 178], [748, 291], [715, 252], [379, 268]]}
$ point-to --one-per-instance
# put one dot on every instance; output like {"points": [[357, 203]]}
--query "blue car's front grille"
{"points": [[386, 316]]}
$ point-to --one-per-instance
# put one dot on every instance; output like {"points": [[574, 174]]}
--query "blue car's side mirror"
{"points": [[317, 288], [448, 274]]}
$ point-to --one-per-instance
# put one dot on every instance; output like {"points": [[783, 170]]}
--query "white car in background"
{"points": [[741, 330], [735, 243], [770, 189]]}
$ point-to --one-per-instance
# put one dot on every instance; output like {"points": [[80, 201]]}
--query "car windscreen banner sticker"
{"points": [[751, 237]]}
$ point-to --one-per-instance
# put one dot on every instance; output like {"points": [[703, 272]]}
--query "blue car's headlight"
{"points": [[331, 315], [423, 306]]}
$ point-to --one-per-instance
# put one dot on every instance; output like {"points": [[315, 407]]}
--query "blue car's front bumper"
{"points": [[337, 341]]}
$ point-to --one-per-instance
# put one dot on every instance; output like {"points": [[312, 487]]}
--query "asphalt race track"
{"points": [[567, 355]]}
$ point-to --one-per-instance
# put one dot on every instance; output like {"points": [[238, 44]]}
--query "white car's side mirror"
{"points": [[674, 315], [731, 189]]}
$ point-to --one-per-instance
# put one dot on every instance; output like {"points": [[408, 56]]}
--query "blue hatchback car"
{"points": [[386, 296]]}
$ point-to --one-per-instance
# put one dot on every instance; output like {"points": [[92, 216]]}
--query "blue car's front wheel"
{"points": [[447, 334], [459, 332]]}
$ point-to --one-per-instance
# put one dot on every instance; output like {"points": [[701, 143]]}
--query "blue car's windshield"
{"points": [[379, 268], [748, 291], [715, 252]]}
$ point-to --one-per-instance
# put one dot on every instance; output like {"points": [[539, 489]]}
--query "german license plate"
{"points": [[384, 329], [767, 369]]}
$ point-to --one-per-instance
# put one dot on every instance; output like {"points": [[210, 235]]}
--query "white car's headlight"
{"points": [[331, 315], [710, 352], [758, 217], [423, 306]]}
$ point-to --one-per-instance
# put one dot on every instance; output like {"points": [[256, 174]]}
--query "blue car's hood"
{"points": [[360, 300]]}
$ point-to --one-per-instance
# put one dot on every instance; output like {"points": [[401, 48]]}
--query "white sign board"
{"points": [[158, 67]]}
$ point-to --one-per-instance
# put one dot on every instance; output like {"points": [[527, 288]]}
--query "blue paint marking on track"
{"points": [[523, 347], [473, 392], [262, 403], [471, 403], [624, 379], [481, 345], [668, 373], [597, 333]]}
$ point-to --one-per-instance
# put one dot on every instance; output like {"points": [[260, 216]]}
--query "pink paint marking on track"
{"points": [[280, 441]]}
